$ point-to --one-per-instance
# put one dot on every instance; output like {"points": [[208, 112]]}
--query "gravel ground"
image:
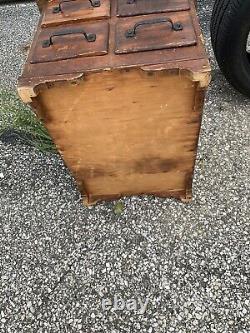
{"points": [[60, 260]]}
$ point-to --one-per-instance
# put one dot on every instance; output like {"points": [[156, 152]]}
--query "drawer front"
{"points": [[71, 41], [142, 7], [154, 32], [68, 11]]}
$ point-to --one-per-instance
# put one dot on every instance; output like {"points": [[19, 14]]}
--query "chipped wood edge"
{"points": [[188, 196], [26, 94], [28, 90], [202, 76]]}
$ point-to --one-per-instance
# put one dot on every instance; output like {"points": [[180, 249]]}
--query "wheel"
{"points": [[230, 34]]}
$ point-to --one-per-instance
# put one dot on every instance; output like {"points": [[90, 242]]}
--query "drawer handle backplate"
{"points": [[88, 36], [177, 26], [59, 9]]}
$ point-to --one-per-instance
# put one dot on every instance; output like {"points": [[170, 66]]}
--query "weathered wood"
{"points": [[41, 4], [75, 37], [125, 121], [74, 11], [162, 36], [142, 7]]}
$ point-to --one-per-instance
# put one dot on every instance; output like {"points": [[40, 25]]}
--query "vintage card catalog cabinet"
{"points": [[120, 86]]}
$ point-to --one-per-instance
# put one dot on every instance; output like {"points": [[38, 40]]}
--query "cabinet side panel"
{"points": [[125, 132]]}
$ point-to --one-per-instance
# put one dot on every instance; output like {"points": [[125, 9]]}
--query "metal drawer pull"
{"points": [[58, 9], [177, 26], [89, 37]]}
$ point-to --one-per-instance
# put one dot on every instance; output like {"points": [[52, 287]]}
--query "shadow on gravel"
{"points": [[12, 136]]}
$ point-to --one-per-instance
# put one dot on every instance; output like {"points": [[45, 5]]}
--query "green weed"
{"points": [[18, 118], [119, 208]]}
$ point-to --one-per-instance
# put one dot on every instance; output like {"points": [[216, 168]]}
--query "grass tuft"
{"points": [[119, 208], [19, 119]]}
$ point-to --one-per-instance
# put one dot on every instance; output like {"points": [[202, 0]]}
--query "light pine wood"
{"points": [[125, 132]]}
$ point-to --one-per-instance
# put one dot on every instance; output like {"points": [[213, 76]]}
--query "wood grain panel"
{"points": [[71, 41], [142, 7], [131, 132], [155, 32]]}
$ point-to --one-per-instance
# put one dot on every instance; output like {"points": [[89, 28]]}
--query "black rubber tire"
{"points": [[10, 2], [230, 28]]}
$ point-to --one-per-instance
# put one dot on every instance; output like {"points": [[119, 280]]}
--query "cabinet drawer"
{"points": [[71, 41], [154, 32], [142, 7], [68, 11]]}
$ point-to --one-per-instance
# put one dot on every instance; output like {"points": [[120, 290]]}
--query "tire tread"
{"points": [[224, 20]]}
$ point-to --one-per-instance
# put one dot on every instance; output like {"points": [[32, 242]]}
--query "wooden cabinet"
{"points": [[121, 91]]}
